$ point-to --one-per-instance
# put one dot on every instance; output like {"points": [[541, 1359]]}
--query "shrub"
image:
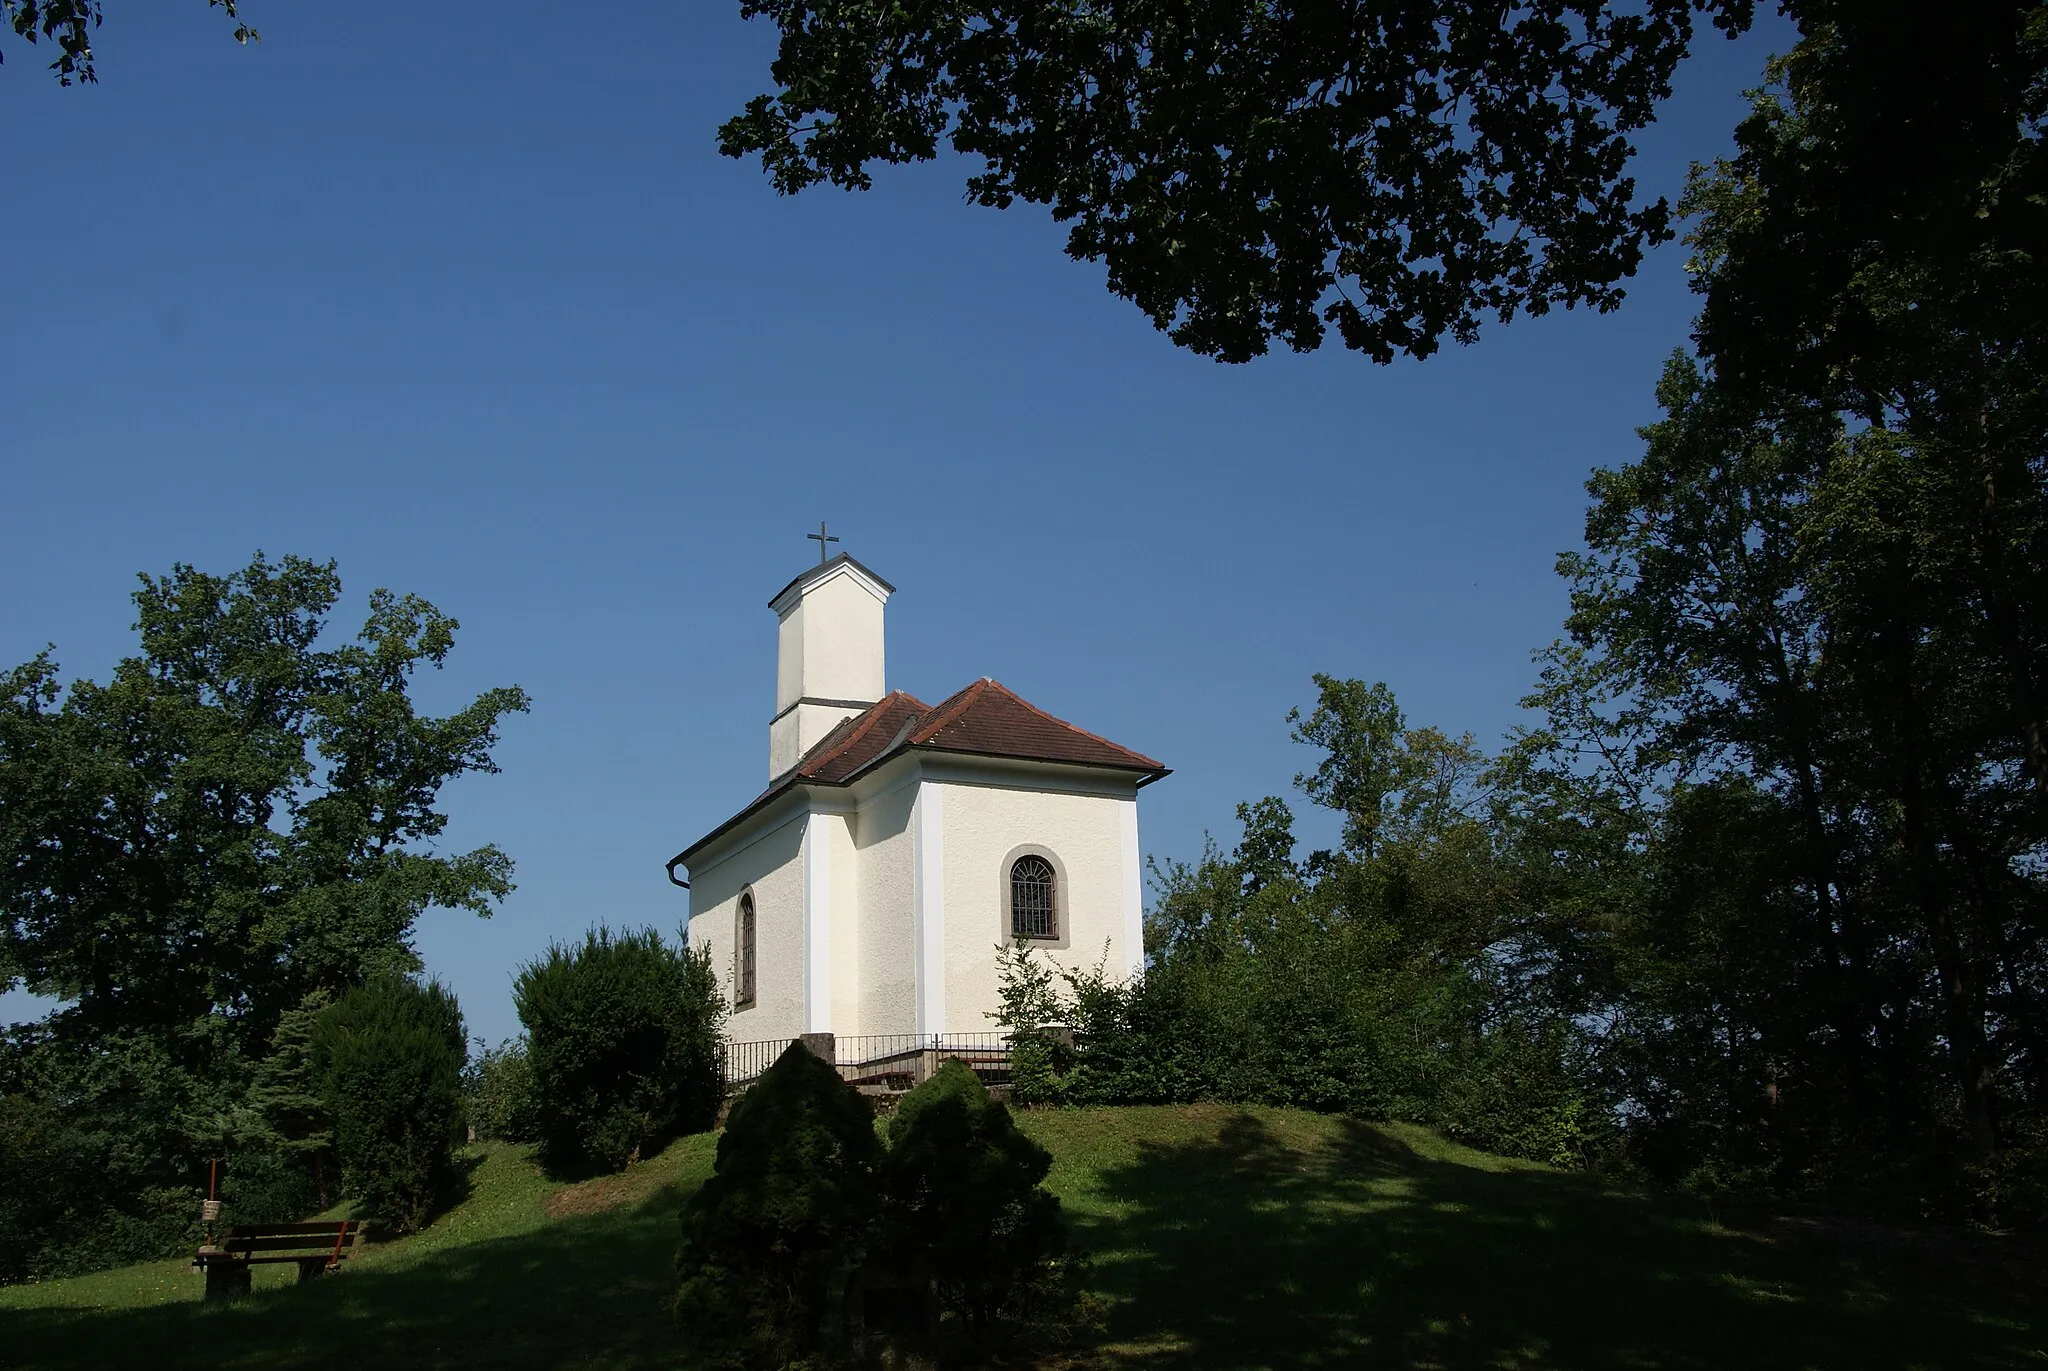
{"points": [[389, 1055], [623, 1042], [2011, 1190], [783, 1220], [963, 1208], [497, 1089], [263, 1184]]}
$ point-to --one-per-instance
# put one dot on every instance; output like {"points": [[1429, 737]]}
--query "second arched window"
{"points": [[1034, 900], [743, 972]]}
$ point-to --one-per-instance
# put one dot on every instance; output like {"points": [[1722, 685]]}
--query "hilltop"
{"points": [[1220, 1237]]}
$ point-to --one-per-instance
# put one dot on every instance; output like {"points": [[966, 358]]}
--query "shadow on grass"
{"points": [[1237, 1251], [585, 1292]]}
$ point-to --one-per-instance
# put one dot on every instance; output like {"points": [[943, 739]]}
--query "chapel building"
{"points": [[898, 844]]}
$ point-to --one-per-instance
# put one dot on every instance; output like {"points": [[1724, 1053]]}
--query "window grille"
{"points": [[1032, 899], [743, 973]]}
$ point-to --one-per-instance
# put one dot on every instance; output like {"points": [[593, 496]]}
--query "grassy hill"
{"points": [[1222, 1238]]}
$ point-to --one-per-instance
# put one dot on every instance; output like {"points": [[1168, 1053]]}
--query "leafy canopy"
{"points": [[239, 816], [1253, 172]]}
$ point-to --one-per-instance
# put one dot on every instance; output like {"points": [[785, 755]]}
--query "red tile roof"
{"points": [[857, 741], [984, 720], [989, 720]]}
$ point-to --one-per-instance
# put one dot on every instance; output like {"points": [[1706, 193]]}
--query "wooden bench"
{"points": [[317, 1247]]}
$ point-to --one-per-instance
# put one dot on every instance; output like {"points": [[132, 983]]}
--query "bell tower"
{"points": [[828, 653]]}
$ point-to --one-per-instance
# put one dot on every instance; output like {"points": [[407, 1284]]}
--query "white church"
{"points": [[867, 889]]}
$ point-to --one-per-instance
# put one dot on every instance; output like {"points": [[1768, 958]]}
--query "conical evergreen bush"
{"points": [[964, 1208], [770, 1239]]}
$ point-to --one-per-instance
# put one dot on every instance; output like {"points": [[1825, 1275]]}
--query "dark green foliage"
{"points": [[1809, 631], [238, 821], [770, 1240], [262, 1184], [963, 1208], [79, 1174], [497, 1092], [289, 1094], [390, 1056], [117, 1140], [1410, 975], [36, 1181], [1251, 172], [623, 1042], [239, 817]]}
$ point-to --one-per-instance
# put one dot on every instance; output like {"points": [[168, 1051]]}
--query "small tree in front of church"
{"points": [[770, 1240], [1029, 999], [623, 1046], [964, 1211]]}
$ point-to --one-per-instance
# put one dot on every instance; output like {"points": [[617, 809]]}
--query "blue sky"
{"points": [[475, 308]]}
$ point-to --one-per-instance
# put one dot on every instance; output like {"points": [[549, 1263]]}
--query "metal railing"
{"points": [[745, 1061], [897, 1060]]}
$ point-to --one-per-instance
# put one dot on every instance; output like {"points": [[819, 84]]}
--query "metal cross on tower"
{"points": [[823, 538]]}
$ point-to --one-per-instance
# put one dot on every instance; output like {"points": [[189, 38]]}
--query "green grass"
{"points": [[1251, 1238], [1219, 1238]]}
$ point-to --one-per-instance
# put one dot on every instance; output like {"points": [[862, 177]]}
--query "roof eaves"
{"points": [[790, 780], [1151, 772]]}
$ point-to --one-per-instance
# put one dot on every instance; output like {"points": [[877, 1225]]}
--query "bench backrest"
{"points": [[291, 1237]]}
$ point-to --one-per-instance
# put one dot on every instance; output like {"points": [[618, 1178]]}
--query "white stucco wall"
{"points": [[885, 890], [845, 990], [772, 864], [1084, 834], [879, 910]]}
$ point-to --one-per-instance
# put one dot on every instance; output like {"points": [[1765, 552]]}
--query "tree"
{"points": [[288, 1092], [964, 1212], [1432, 969], [497, 1091], [389, 1056], [1883, 261], [1788, 596], [623, 1046], [1359, 728], [1267, 852], [240, 818], [1252, 172], [69, 24], [1828, 568], [784, 1218]]}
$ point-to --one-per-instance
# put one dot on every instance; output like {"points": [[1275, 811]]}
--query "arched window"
{"points": [[1033, 899], [743, 968]]}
